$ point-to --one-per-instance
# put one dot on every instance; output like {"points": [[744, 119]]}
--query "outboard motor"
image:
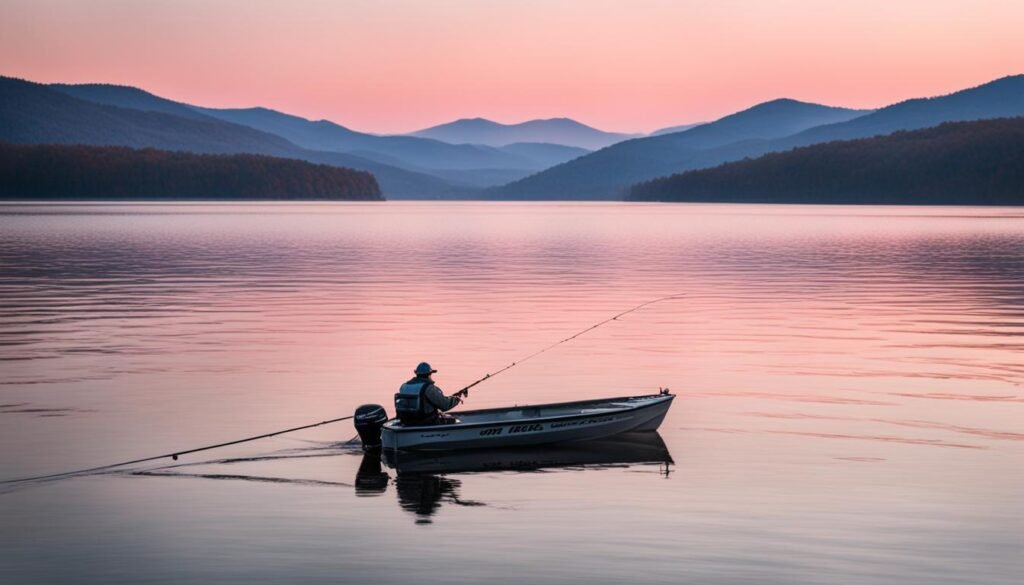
{"points": [[368, 419]]}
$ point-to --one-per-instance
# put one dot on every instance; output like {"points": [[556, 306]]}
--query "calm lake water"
{"points": [[850, 382]]}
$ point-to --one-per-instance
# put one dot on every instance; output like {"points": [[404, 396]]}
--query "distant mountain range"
{"points": [[771, 127], [607, 173], [462, 164], [472, 158], [417, 153], [957, 163], [32, 113], [554, 131]]}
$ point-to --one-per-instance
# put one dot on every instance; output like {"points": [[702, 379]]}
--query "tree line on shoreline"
{"points": [[70, 172], [956, 163]]}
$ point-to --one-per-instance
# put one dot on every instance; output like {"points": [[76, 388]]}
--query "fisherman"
{"points": [[420, 402]]}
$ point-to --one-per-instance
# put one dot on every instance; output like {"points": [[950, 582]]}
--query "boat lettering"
{"points": [[491, 432], [526, 428], [581, 422]]}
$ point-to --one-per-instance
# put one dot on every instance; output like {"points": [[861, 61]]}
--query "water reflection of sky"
{"points": [[850, 383]]}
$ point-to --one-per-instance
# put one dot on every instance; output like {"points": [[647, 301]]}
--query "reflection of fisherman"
{"points": [[420, 402], [423, 494]]}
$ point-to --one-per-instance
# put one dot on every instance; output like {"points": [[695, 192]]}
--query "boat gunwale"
{"points": [[419, 428]]}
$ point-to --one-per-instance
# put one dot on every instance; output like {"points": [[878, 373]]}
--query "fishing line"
{"points": [[465, 392]]}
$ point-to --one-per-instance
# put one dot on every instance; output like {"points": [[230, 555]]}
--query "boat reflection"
{"points": [[423, 486]]}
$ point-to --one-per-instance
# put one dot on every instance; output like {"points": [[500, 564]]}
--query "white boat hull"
{"points": [[532, 425]]}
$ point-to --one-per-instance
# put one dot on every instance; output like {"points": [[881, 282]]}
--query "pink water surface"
{"points": [[850, 381]]}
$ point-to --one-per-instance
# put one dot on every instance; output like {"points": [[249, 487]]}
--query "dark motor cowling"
{"points": [[368, 419]]}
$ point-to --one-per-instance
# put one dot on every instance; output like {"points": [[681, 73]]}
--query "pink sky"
{"points": [[400, 65]]}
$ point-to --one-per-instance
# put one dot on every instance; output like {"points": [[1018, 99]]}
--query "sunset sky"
{"points": [[400, 65]]}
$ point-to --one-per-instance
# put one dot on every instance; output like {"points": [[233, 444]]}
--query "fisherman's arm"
{"points": [[438, 399]]}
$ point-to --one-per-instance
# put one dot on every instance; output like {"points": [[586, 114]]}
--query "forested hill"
{"points": [[61, 172], [957, 163]]}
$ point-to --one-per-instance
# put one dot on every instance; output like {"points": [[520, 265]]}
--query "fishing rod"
{"points": [[463, 392], [174, 455]]}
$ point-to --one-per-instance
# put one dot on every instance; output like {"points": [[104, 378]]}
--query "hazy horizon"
{"points": [[619, 67]]}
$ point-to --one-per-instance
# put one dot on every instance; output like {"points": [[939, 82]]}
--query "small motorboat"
{"points": [[520, 426]]}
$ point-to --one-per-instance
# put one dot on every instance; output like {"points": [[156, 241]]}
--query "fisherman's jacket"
{"points": [[420, 398]]}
